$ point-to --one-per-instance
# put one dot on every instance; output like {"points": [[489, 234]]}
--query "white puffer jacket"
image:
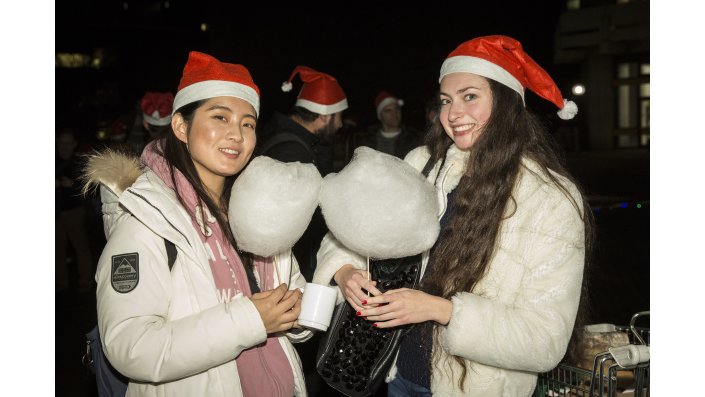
{"points": [[520, 317], [170, 334]]}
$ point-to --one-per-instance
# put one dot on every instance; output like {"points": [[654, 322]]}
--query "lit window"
{"points": [[633, 105], [69, 60]]}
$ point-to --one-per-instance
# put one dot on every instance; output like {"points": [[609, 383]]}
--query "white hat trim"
{"points": [[386, 101], [323, 109], [156, 120], [481, 67], [215, 88]]}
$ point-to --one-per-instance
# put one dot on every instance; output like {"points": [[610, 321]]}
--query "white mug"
{"points": [[317, 306]]}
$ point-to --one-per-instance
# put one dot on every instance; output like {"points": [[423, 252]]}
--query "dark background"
{"points": [[368, 48]]}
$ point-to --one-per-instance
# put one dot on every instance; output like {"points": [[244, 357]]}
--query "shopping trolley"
{"points": [[610, 369]]}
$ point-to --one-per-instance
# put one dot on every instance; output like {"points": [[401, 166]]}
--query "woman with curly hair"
{"points": [[501, 288]]}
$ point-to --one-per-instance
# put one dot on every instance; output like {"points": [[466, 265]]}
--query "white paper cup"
{"points": [[317, 306]]}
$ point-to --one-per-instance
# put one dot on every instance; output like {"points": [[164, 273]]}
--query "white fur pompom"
{"points": [[287, 86], [380, 206], [400, 102], [272, 203], [570, 109]]}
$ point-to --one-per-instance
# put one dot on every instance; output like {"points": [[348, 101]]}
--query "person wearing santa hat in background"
{"points": [[214, 321], [390, 135], [156, 108], [306, 135], [500, 290], [149, 119]]}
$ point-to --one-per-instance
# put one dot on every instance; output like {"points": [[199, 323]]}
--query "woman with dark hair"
{"points": [[501, 288], [182, 312]]}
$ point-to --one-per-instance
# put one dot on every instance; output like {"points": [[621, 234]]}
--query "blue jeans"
{"points": [[401, 387]]}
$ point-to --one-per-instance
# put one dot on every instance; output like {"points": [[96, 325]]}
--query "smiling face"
{"points": [[220, 138], [466, 106]]}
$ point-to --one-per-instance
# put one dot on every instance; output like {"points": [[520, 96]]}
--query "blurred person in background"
{"points": [[70, 216], [307, 135], [389, 135]]}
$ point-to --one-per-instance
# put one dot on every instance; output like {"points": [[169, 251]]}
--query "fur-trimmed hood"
{"points": [[111, 168], [112, 172]]}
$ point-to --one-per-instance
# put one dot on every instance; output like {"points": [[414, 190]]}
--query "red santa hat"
{"points": [[320, 93], [383, 99], [205, 77], [502, 59], [157, 107]]}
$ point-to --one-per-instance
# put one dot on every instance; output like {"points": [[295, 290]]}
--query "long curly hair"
{"points": [[468, 242]]}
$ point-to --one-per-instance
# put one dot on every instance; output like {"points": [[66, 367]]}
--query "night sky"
{"points": [[398, 49]]}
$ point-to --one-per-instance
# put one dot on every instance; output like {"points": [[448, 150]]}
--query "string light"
{"points": [[618, 205]]}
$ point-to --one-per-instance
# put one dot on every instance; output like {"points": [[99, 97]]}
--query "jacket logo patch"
{"points": [[125, 272]]}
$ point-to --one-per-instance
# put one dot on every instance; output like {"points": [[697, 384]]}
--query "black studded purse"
{"points": [[353, 356]]}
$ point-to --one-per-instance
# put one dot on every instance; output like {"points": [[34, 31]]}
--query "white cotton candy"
{"points": [[272, 203], [380, 206]]}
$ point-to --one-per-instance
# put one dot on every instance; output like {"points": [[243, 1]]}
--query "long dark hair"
{"points": [[468, 242], [177, 156]]}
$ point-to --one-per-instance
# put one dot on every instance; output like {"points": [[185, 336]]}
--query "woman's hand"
{"points": [[279, 308], [298, 303], [352, 282], [406, 306]]}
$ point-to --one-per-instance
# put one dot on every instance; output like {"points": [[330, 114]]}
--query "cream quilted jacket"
{"points": [[169, 333], [518, 320]]}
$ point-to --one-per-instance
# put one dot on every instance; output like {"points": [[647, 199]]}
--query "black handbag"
{"points": [[353, 356]]}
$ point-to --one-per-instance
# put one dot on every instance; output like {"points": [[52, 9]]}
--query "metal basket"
{"points": [[631, 360]]}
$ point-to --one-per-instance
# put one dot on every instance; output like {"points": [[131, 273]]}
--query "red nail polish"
{"points": [[374, 325], [358, 313], [364, 302]]}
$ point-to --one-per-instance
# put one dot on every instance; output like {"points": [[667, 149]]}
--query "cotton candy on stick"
{"points": [[380, 206], [271, 204]]}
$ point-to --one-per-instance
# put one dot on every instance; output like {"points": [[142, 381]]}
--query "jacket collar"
{"points": [[453, 168]]}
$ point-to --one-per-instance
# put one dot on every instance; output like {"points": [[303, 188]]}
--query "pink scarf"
{"points": [[264, 370]]}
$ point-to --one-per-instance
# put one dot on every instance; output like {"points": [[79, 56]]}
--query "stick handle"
{"points": [[368, 274]]}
